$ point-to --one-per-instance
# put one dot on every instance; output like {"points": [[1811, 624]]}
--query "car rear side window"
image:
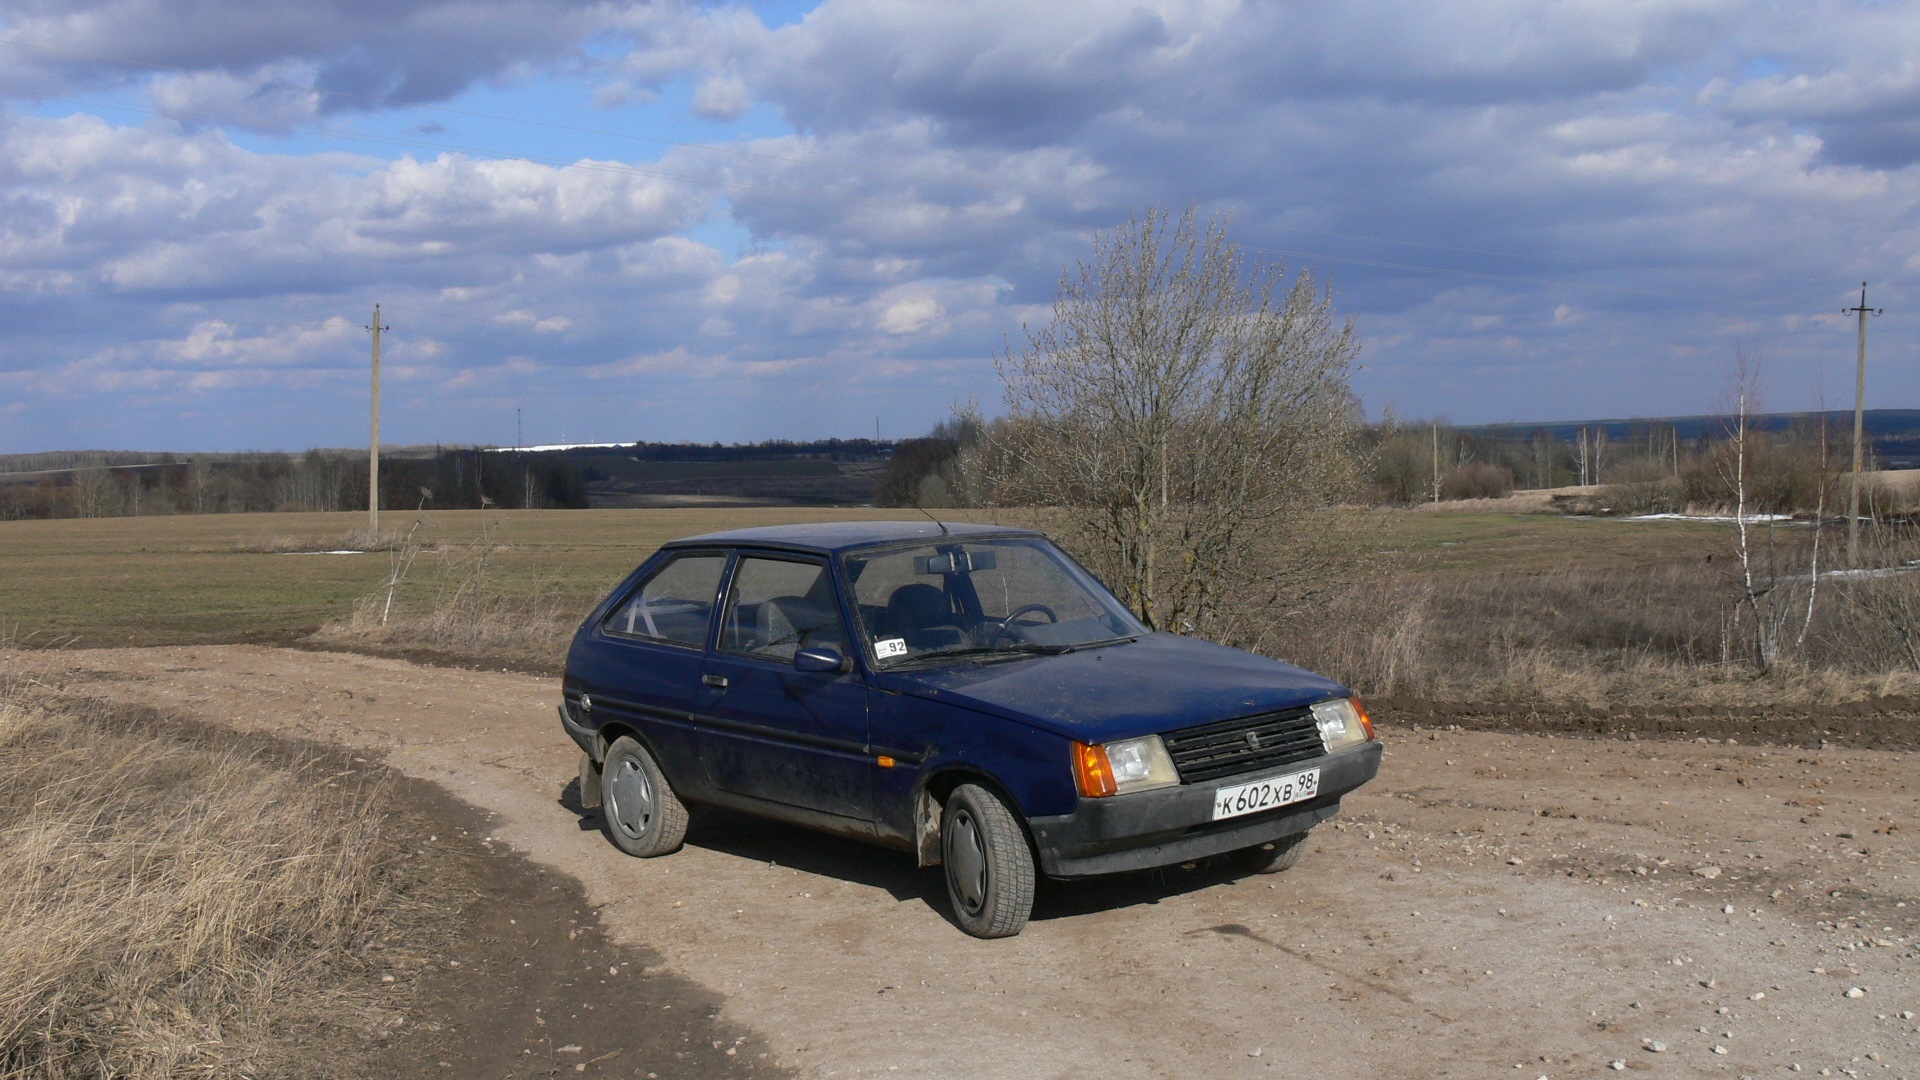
{"points": [[780, 606], [675, 604]]}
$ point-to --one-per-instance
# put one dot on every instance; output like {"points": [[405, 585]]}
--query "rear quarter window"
{"points": [[674, 604]]}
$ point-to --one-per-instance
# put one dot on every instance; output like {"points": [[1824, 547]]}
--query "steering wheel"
{"points": [[1005, 626]]}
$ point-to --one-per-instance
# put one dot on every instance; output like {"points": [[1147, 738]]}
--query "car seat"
{"points": [[920, 614]]}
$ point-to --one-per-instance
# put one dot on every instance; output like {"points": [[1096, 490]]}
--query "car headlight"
{"points": [[1343, 723], [1118, 768]]}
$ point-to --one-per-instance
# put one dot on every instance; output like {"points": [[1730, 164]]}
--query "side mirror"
{"points": [[822, 660]]}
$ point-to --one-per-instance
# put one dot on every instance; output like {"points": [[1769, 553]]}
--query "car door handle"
{"points": [[718, 682]]}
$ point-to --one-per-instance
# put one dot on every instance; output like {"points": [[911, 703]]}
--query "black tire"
{"points": [[989, 867], [1270, 858], [640, 812]]}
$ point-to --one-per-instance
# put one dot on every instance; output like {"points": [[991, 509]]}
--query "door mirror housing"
{"points": [[822, 659]]}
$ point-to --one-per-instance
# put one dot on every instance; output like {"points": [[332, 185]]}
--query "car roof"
{"points": [[833, 537]]}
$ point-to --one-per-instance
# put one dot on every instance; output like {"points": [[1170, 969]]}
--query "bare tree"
{"points": [[95, 493], [1768, 581], [1188, 422]]}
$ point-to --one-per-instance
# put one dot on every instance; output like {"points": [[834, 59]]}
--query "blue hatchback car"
{"points": [[965, 693]]}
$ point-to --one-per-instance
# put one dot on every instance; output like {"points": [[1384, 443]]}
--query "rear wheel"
{"points": [[1271, 858], [643, 816], [989, 867]]}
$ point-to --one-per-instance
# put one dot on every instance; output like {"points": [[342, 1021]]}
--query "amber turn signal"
{"points": [[885, 761], [1092, 772], [1366, 722]]}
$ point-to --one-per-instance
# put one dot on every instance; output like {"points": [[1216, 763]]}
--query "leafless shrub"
{"points": [[1643, 487], [1477, 480], [1653, 636], [1189, 424], [461, 605], [165, 903], [1884, 594], [1890, 497]]}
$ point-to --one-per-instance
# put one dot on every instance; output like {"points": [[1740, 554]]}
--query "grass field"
{"points": [[222, 578], [1440, 543], [226, 577]]}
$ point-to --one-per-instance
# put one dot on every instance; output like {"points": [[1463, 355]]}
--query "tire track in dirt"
{"points": [[1476, 909]]}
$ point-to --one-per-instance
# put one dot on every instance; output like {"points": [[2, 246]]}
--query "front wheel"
{"points": [[643, 816], [1271, 858], [989, 866]]}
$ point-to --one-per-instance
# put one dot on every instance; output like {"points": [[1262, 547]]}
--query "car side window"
{"points": [[675, 604], [778, 607]]}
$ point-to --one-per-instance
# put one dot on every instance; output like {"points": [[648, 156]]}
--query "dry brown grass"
{"points": [[451, 600], [1503, 608], [293, 544], [1536, 501], [1669, 635], [532, 630], [168, 905]]}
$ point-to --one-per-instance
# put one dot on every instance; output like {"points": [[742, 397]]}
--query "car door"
{"points": [[773, 733], [656, 645]]}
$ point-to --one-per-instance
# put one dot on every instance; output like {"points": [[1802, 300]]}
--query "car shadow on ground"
{"points": [[813, 852]]}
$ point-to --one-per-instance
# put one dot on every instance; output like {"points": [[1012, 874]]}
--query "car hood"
{"points": [[1161, 682]]}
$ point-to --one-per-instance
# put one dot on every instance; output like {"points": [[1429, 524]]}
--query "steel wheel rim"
{"points": [[967, 862], [629, 798]]}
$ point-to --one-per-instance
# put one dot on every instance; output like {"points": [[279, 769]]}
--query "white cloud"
{"points": [[910, 314], [1474, 177], [722, 97]]}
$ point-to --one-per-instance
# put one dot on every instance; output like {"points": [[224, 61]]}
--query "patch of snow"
{"points": [[1756, 518], [1873, 572], [548, 447]]}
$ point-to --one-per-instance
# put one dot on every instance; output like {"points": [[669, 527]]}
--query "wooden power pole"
{"points": [[373, 456], [1436, 464], [1859, 425]]}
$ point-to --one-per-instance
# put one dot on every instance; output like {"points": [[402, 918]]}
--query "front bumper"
{"points": [[1175, 825]]}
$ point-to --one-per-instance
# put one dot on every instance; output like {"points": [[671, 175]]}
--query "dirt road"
{"points": [[1494, 904]]}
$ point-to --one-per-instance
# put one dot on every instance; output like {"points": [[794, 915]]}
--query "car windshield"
{"points": [[980, 600]]}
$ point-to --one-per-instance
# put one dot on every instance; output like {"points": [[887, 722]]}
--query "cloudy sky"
{"points": [[672, 221]]}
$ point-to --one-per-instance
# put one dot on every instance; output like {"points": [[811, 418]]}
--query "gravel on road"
{"points": [[1495, 904]]}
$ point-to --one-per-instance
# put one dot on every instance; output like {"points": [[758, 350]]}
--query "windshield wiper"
{"points": [[1017, 649], [961, 652], [1077, 646]]}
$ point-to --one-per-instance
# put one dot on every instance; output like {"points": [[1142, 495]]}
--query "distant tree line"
{"points": [[1636, 467], [104, 485], [132, 483]]}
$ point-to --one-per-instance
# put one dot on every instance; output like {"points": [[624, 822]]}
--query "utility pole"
{"points": [[373, 456], [1859, 425], [1436, 464]]}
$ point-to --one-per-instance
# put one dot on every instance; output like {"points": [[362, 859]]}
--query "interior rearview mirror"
{"points": [[954, 562]]}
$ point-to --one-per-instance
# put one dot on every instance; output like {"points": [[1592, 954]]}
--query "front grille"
{"points": [[1225, 749]]}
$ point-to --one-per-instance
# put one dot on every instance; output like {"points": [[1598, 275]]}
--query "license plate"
{"points": [[1265, 794]]}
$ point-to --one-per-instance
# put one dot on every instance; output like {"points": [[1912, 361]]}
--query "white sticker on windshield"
{"points": [[892, 646]]}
